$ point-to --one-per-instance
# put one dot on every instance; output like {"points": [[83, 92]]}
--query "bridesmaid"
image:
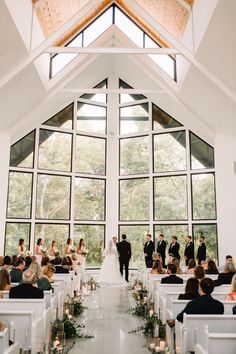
{"points": [[52, 250], [39, 250], [68, 247], [21, 249], [81, 250]]}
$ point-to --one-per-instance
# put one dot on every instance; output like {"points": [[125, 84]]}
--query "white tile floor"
{"points": [[108, 320]]}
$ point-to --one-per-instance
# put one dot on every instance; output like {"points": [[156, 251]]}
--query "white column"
{"points": [[225, 163], [112, 187], [4, 167]]}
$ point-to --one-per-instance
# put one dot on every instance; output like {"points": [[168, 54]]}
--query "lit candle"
{"points": [[56, 343], [162, 345], [145, 299], [67, 312], [152, 345], [157, 349], [150, 313]]}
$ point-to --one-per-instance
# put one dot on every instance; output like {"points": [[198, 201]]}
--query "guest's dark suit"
{"points": [[189, 252], [172, 279], [16, 275], [124, 250], [204, 305], [148, 249], [174, 249], [201, 253], [25, 291], [60, 269], [161, 248], [224, 278]]}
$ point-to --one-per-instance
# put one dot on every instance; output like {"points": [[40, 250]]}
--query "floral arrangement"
{"points": [[92, 284], [72, 329], [75, 305]]}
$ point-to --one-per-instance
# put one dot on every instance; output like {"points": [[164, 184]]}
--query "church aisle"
{"points": [[108, 320]]}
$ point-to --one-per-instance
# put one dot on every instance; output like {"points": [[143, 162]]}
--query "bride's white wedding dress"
{"points": [[110, 270]]}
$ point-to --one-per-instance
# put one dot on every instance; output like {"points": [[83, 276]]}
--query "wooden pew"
{"points": [[217, 343], [38, 306], [4, 340]]}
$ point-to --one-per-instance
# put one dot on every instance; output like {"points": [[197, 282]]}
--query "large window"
{"points": [[99, 168]]}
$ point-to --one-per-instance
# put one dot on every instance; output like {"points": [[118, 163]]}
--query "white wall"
{"points": [[4, 164], [225, 156]]}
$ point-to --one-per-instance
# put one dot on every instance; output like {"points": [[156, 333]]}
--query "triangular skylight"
{"points": [[113, 16], [97, 97], [64, 118], [124, 97]]}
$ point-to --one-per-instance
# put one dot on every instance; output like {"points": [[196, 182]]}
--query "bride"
{"points": [[110, 273]]}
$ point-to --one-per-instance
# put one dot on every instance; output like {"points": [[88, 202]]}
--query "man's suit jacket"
{"points": [[60, 269], [172, 279], [16, 275], [204, 305], [174, 249], [224, 278], [149, 248], [124, 250], [161, 248], [201, 252], [189, 250], [25, 291]]}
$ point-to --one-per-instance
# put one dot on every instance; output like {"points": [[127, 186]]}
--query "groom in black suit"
{"points": [[124, 250]]}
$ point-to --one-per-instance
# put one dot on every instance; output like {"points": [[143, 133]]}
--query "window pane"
{"points": [[203, 194], [125, 24], [53, 197], [134, 118], [136, 235], [202, 154], [165, 61], [97, 97], [169, 152], [63, 119], [170, 198], [50, 232], [93, 236], [162, 120], [134, 155], [173, 230], [54, 150], [134, 199], [22, 152], [129, 98], [89, 199], [210, 233], [91, 118], [19, 195], [15, 231], [97, 27], [90, 155]]}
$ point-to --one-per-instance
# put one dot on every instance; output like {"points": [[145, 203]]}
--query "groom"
{"points": [[124, 250]]}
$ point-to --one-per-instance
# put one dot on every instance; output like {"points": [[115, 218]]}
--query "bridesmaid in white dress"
{"points": [[39, 250], [21, 249], [52, 250], [68, 247], [81, 250]]}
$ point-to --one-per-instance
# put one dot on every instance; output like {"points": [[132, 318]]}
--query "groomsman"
{"points": [[174, 248], [148, 251], [161, 248], [201, 252], [189, 249]]}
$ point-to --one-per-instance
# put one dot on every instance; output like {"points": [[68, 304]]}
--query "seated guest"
{"points": [[66, 262], [211, 268], [199, 272], [44, 282], [205, 304], [191, 266], [5, 282], [45, 261], [226, 276], [27, 289], [13, 260], [37, 269], [58, 266], [191, 290], [28, 262], [172, 278], [57, 254], [7, 263], [157, 268], [176, 262], [204, 264], [232, 294], [17, 271], [228, 258]]}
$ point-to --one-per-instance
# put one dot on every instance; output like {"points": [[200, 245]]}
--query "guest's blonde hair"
{"points": [[37, 269], [233, 284], [49, 270]]}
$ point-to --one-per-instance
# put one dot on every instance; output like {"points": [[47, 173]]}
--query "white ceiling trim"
{"points": [[112, 50]]}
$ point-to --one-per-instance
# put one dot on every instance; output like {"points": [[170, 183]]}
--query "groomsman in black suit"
{"points": [[124, 250], [148, 251], [189, 249], [174, 248], [161, 248], [201, 252]]}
